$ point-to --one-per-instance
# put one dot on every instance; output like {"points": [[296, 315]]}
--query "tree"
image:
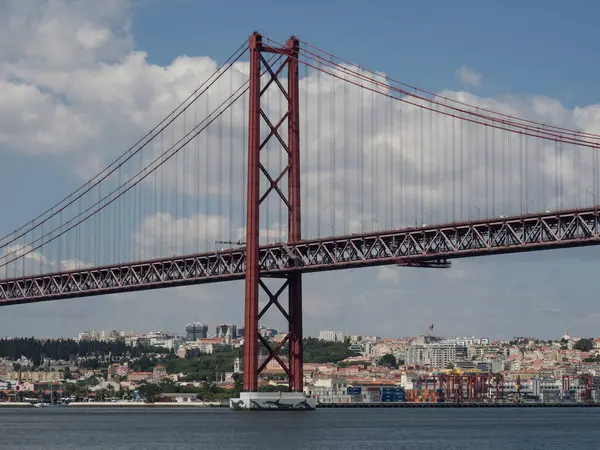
{"points": [[71, 388], [584, 345], [450, 366], [66, 373], [150, 391], [363, 363], [68, 349], [316, 351], [36, 358], [111, 390], [144, 364], [388, 360]]}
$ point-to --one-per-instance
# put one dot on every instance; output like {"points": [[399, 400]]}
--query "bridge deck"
{"points": [[558, 229]]}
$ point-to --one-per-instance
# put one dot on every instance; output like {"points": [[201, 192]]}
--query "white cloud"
{"points": [[178, 236], [33, 122], [469, 77], [63, 34], [92, 37], [33, 261], [74, 264], [163, 234]]}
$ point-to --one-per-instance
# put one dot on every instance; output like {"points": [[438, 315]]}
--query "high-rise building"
{"points": [[195, 331], [227, 331]]}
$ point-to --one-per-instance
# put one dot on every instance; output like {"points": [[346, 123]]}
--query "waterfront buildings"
{"points": [[523, 368]]}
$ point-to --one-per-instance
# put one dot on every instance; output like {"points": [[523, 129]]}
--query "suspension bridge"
{"points": [[390, 174]]}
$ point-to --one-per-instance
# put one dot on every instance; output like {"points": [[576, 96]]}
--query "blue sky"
{"points": [[518, 49]]}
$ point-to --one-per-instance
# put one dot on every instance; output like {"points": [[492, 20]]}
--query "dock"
{"points": [[457, 405]]}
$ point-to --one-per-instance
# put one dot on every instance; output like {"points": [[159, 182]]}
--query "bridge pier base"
{"points": [[273, 401]]}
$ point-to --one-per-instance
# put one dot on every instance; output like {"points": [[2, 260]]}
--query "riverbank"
{"points": [[125, 405], [15, 405], [458, 405], [319, 406], [150, 405]]}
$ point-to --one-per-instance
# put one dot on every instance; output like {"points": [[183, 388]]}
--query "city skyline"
{"points": [[529, 294], [328, 334]]}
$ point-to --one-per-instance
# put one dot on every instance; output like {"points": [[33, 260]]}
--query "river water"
{"points": [[219, 429]]}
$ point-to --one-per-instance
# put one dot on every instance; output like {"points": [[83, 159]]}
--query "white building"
{"points": [[161, 339], [436, 355], [103, 335], [331, 336], [466, 341], [478, 351]]}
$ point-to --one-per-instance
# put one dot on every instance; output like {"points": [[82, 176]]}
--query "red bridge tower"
{"points": [[285, 64]]}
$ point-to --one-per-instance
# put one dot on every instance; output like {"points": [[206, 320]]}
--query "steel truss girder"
{"points": [[559, 229]]}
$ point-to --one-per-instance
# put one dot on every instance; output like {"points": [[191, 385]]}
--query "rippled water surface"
{"points": [[153, 428]]}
